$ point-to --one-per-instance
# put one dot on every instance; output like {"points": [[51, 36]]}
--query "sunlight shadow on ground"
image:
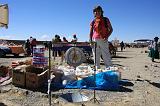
{"points": [[118, 65], [154, 83], [2, 104], [120, 57]]}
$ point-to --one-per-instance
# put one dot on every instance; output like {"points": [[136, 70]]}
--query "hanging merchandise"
{"points": [[39, 59], [74, 56]]}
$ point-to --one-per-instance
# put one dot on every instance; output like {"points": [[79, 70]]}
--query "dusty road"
{"points": [[143, 88]]}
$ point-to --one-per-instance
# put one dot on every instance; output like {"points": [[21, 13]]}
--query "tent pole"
{"points": [[49, 73]]}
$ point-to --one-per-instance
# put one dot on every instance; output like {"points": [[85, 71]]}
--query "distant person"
{"points": [[74, 40], [100, 30], [46, 45], [65, 40], [122, 45], [57, 39], [30, 39], [33, 43], [54, 41], [154, 53], [28, 47]]}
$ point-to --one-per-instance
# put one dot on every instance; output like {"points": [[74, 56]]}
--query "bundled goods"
{"points": [[114, 71], [84, 71], [25, 62], [58, 74], [69, 74], [28, 62], [4, 71], [20, 68], [14, 64], [39, 59], [21, 62]]}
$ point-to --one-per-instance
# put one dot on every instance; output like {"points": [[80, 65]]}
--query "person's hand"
{"points": [[91, 42], [104, 38]]}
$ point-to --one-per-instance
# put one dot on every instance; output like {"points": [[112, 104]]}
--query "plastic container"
{"points": [[112, 76]]}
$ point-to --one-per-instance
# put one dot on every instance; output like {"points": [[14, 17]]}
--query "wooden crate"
{"points": [[34, 80], [18, 78]]}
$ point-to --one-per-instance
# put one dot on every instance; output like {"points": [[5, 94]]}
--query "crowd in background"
{"points": [[32, 42], [57, 39]]}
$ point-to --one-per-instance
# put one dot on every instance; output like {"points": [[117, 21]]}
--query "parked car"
{"points": [[4, 50]]}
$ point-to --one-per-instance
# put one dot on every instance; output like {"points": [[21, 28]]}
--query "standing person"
{"points": [[64, 48], [33, 43], [65, 40], [100, 30], [46, 45], [122, 45], [74, 40], [56, 40], [154, 53], [30, 40], [28, 47], [59, 51]]}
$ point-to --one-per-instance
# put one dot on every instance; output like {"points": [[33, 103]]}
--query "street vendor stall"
{"points": [[66, 46], [86, 48]]}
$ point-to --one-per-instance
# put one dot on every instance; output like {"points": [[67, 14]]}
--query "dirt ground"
{"points": [[142, 89]]}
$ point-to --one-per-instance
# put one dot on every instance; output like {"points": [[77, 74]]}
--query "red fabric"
{"points": [[33, 42], [99, 28]]}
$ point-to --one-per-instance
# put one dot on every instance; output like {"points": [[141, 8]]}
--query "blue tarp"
{"points": [[108, 80], [103, 81]]}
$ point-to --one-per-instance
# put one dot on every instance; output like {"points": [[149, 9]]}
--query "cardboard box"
{"points": [[18, 77], [36, 77]]}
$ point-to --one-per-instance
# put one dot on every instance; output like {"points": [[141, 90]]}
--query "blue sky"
{"points": [[42, 19]]}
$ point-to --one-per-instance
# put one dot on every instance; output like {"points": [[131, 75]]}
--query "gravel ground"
{"points": [[143, 88]]}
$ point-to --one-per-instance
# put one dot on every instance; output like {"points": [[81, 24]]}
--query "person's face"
{"points": [[97, 13]]}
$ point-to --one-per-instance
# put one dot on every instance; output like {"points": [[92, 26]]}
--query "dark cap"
{"points": [[156, 38], [97, 8]]}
